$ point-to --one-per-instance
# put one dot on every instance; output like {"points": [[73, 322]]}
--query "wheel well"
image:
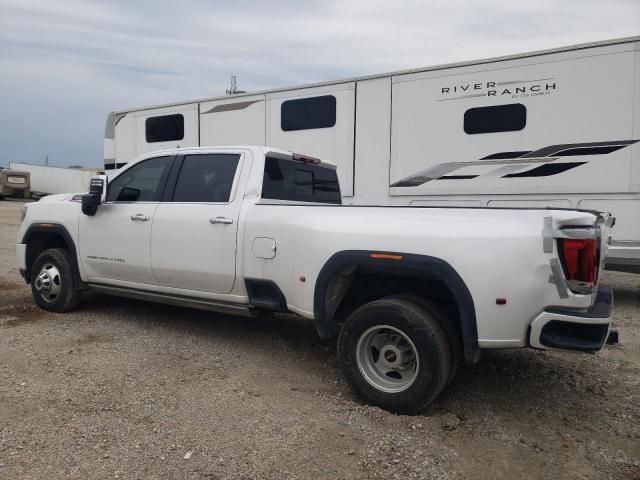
{"points": [[352, 278], [354, 287], [40, 239]]}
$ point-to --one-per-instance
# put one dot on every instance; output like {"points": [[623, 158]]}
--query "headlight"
{"points": [[23, 213]]}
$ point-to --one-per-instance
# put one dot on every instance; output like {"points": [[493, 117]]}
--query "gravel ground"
{"points": [[126, 389]]}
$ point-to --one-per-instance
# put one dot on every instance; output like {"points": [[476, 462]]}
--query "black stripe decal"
{"points": [[554, 149], [457, 177], [544, 155], [411, 182], [505, 155], [570, 152], [545, 170]]}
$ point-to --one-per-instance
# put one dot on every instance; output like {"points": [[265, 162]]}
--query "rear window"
{"points": [[165, 128], [299, 182], [500, 118], [206, 178], [308, 113]]}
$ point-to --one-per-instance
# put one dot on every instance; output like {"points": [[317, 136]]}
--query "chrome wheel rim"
{"points": [[48, 283], [387, 358]]}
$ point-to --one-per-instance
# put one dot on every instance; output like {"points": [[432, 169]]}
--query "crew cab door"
{"points": [[193, 243], [115, 242]]}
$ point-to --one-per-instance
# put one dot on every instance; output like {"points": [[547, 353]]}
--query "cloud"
{"points": [[66, 64]]}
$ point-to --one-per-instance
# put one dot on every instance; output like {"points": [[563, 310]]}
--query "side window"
{"points": [[143, 182], [308, 113], [299, 182], [206, 178], [164, 128], [500, 118]]}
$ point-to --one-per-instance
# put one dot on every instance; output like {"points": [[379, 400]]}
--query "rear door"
{"points": [[193, 245]]}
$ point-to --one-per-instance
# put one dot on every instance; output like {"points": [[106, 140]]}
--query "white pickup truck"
{"points": [[411, 292]]}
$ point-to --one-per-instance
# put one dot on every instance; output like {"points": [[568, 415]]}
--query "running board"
{"points": [[177, 300]]}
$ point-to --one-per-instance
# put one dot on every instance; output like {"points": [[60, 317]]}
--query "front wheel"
{"points": [[52, 281], [395, 354]]}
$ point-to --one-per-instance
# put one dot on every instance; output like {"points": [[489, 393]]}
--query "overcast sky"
{"points": [[65, 64]]}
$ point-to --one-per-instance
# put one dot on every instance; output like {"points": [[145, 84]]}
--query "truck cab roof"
{"points": [[263, 150]]}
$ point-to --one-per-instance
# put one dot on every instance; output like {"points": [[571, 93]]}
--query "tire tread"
{"points": [[420, 323], [70, 297]]}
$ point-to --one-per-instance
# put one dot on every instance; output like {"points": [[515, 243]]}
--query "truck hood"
{"points": [[60, 197]]}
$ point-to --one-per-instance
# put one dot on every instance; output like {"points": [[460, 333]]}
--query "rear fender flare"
{"points": [[410, 264]]}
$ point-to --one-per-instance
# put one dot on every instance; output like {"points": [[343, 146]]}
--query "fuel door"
{"points": [[264, 247]]}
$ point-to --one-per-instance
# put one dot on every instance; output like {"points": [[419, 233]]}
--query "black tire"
{"points": [[447, 324], [416, 324], [60, 277]]}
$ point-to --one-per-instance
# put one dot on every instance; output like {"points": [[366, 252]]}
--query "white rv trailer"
{"points": [[557, 128], [50, 180]]}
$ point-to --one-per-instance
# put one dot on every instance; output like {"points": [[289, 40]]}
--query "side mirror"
{"points": [[96, 195]]}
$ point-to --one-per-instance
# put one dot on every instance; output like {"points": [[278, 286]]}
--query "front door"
{"points": [[193, 243], [115, 242]]}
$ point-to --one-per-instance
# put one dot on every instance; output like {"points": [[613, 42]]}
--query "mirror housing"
{"points": [[96, 195]]}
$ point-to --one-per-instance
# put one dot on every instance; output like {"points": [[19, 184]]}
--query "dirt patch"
{"points": [[17, 306]]}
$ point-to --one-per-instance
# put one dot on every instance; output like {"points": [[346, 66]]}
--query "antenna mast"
{"points": [[233, 89]]}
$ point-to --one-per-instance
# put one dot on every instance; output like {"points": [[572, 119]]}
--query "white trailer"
{"points": [[557, 128], [50, 180]]}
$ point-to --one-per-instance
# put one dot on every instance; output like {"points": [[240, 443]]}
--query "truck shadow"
{"points": [[278, 332], [209, 323], [517, 383]]}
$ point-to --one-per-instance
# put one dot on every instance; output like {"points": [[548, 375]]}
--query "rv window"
{"points": [[206, 178], [308, 113], [165, 128], [501, 118], [299, 182]]}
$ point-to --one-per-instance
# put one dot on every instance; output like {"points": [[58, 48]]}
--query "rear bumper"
{"points": [[564, 329], [623, 257]]}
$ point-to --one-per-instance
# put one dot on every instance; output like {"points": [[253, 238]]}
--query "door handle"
{"points": [[224, 220], [139, 217]]}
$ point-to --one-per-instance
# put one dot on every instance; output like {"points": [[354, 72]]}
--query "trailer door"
{"points": [[233, 121], [318, 122]]}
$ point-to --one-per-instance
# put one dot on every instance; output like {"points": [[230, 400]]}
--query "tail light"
{"points": [[581, 261]]}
